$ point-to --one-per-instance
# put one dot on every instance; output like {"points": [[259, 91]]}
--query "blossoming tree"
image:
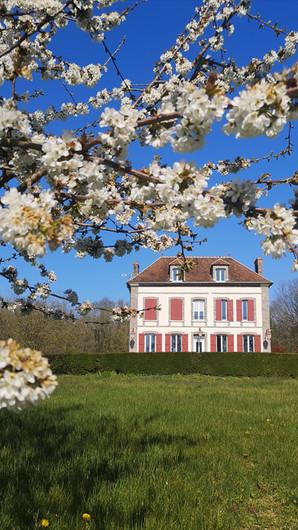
{"points": [[72, 190]]}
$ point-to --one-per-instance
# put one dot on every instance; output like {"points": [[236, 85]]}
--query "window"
{"points": [[176, 274], [149, 343], [224, 309], [150, 312], [176, 343], [248, 343], [220, 274], [244, 309], [199, 343], [221, 343], [198, 309], [176, 308]]}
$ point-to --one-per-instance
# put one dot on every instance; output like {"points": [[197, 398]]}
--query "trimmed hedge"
{"points": [[218, 364]]}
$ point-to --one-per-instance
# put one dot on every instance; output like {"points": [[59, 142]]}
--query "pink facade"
{"points": [[219, 305]]}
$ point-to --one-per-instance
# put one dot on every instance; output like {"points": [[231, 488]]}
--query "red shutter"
{"points": [[230, 342], [176, 309], [217, 309], [239, 311], [258, 343], [213, 343], [251, 309], [141, 342], [150, 311], [230, 311], [158, 342], [168, 342], [239, 342], [185, 343]]}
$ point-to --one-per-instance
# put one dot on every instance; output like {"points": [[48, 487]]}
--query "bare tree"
{"points": [[92, 334], [110, 335], [284, 315]]}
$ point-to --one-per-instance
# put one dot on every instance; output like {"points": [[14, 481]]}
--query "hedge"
{"points": [[219, 364]]}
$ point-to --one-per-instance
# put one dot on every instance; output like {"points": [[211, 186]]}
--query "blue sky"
{"points": [[150, 30]]}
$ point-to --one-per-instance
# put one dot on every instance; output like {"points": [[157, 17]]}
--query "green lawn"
{"points": [[154, 452]]}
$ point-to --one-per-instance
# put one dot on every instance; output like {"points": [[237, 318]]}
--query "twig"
{"points": [[45, 20]]}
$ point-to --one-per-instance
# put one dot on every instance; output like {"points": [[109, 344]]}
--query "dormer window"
{"points": [[176, 274], [220, 274]]}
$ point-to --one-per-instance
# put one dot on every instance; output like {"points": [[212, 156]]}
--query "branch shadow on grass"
{"points": [[53, 461]]}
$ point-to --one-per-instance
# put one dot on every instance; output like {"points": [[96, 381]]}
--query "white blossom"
{"points": [[25, 376], [123, 124], [261, 109], [291, 42], [183, 65], [48, 6], [52, 276], [85, 307], [198, 111], [27, 222], [278, 227], [87, 75], [13, 119]]}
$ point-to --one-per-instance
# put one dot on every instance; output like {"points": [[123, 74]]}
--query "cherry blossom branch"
{"points": [[263, 23], [163, 69], [112, 230], [48, 18], [269, 182]]}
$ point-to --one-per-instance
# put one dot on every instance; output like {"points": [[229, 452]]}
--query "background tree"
{"points": [[110, 336], [92, 334], [284, 317]]}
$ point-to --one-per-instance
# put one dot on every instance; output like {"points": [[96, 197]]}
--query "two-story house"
{"points": [[218, 305]]}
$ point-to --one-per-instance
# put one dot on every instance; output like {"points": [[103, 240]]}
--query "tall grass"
{"points": [[161, 452]]}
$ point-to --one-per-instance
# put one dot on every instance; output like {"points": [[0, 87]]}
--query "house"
{"points": [[218, 305]]}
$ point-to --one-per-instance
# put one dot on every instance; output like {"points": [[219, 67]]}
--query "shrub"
{"points": [[219, 364], [75, 364]]}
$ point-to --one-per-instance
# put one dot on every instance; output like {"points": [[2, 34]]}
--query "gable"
{"points": [[220, 262]]}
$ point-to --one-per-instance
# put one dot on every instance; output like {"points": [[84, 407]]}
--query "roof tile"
{"points": [[201, 271]]}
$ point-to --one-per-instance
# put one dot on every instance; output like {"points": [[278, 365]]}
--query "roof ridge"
{"points": [[240, 272], [247, 267]]}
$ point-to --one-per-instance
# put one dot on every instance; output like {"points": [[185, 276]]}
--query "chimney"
{"points": [[259, 266], [136, 268]]}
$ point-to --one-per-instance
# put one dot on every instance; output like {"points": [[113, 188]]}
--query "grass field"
{"points": [[154, 452]]}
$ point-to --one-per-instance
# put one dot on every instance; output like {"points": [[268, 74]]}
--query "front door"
{"points": [[199, 343]]}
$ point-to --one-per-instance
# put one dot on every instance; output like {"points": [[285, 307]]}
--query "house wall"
{"points": [[209, 326], [133, 325]]}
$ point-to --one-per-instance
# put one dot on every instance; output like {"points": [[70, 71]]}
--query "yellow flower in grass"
{"points": [[44, 523], [86, 516]]}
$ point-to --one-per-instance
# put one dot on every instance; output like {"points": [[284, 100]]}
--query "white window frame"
{"points": [[150, 343], [176, 273], [224, 309], [199, 303], [223, 347], [248, 343], [244, 304], [176, 343], [223, 277], [201, 340]]}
